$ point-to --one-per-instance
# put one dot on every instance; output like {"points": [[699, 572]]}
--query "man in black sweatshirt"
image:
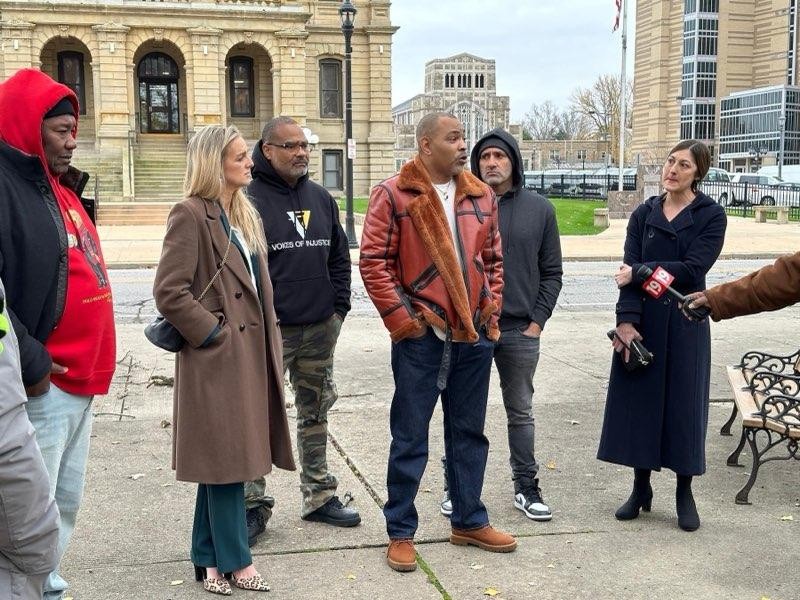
{"points": [[309, 264], [532, 273]]}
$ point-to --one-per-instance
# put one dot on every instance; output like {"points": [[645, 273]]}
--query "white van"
{"points": [[788, 172]]}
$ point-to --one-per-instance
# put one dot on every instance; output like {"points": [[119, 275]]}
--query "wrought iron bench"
{"points": [[766, 391]]}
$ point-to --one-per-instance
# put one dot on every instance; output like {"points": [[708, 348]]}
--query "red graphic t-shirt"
{"points": [[84, 339]]}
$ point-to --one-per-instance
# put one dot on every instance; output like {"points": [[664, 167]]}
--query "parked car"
{"points": [[716, 184], [752, 188]]}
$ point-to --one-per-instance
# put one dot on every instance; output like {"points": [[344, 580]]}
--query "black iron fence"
{"points": [[572, 185], [743, 195]]}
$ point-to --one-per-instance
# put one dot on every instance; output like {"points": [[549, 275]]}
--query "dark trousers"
{"points": [[219, 536], [415, 365], [516, 357]]}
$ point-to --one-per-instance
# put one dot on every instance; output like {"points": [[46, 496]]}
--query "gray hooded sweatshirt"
{"points": [[532, 267]]}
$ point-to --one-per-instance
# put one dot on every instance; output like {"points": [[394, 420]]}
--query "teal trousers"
{"points": [[219, 536]]}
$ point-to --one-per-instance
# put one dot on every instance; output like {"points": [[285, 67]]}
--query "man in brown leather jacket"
{"points": [[431, 261], [770, 288]]}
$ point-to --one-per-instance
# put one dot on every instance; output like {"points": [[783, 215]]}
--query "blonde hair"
{"points": [[205, 179]]}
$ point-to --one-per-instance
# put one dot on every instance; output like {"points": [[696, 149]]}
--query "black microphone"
{"points": [[657, 282]]}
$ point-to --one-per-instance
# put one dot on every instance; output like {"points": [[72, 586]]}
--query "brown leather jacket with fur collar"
{"points": [[770, 288], [409, 263]]}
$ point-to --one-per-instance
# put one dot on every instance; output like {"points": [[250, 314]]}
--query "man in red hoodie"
{"points": [[57, 287]]}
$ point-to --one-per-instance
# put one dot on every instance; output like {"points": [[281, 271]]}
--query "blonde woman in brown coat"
{"points": [[229, 416]]}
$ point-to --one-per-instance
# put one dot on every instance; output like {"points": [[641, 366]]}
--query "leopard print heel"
{"points": [[255, 583], [217, 586]]}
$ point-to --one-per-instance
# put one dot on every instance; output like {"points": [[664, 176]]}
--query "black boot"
{"points": [[641, 496], [688, 519]]}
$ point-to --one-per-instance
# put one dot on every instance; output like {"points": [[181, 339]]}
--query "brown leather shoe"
{"points": [[401, 555], [485, 538]]}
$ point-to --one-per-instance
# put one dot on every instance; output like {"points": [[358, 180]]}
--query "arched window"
{"points": [[70, 73], [240, 86], [330, 88]]}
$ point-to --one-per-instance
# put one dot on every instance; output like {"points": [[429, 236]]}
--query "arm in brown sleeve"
{"points": [[770, 288]]}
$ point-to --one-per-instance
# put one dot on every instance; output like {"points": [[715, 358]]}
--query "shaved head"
{"points": [[427, 124]]}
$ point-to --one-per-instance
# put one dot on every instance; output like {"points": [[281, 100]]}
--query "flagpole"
{"points": [[623, 95]]}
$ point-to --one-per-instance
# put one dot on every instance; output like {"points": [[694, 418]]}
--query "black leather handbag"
{"points": [[638, 356], [164, 334]]}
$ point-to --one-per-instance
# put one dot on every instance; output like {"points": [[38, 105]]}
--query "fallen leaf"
{"points": [[551, 566], [787, 518], [490, 592], [573, 422], [115, 443], [166, 485], [427, 491], [165, 424], [551, 465], [351, 576], [136, 476], [475, 567], [176, 582], [159, 468]]}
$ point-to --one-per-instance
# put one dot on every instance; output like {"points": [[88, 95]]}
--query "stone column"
{"points": [[206, 97], [375, 112], [17, 46], [290, 74], [111, 97]]}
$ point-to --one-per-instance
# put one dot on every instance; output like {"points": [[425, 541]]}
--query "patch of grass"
{"points": [[576, 217], [359, 205]]}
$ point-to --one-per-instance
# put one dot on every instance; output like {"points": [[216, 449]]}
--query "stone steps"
{"points": [[159, 167], [134, 213]]}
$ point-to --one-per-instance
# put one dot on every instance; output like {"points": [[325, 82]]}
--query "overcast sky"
{"points": [[543, 49]]}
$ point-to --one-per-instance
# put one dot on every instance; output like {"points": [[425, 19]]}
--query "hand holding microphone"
{"points": [[658, 282]]}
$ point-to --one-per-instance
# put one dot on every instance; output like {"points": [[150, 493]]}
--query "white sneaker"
{"points": [[531, 503], [446, 507]]}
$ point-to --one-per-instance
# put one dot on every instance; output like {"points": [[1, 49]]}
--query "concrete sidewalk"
{"points": [[140, 246], [133, 533]]}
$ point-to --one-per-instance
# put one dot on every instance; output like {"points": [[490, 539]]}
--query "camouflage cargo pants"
{"points": [[308, 356]]}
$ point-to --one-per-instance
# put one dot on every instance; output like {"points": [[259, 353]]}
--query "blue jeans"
{"points": [[63, 424], [415, 364], [516, 357]]}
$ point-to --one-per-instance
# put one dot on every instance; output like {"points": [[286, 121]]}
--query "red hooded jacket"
{"points": [[77, 329]]}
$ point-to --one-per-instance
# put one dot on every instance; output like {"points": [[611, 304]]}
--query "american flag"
{"points": [[618, 4]]}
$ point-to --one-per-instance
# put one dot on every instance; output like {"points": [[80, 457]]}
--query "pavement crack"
{"points": [[424, 566]]}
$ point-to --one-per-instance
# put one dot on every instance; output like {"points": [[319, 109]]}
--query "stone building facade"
{"points": [[149, 73], [724, 72], [464, 85]]}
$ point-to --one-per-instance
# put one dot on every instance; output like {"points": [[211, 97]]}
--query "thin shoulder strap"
{"points": [[221, 265]]}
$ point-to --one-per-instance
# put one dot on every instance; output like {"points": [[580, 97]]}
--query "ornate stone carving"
{"points": [[158, 34], [63, 30]]}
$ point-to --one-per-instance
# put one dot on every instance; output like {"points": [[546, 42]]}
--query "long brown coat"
{"points": [[229, 417], [770, 288]]}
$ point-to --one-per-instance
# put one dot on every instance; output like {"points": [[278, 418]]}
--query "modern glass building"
{"points": [[750, 127], [699, 78]]}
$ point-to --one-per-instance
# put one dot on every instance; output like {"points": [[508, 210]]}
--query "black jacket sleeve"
{"points": [[34, 358], [339, 268], [550, 270]]}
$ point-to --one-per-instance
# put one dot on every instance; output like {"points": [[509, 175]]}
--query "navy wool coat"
{"points": [[658, 416]]}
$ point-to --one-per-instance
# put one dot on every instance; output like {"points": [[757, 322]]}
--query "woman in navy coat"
{"points": [[657, 416]]}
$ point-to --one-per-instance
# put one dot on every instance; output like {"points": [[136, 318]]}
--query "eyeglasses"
{"points": [[291, 146]]}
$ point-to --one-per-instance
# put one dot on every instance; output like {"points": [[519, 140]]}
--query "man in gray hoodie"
{"points": [[532, 274], [28, 514]]}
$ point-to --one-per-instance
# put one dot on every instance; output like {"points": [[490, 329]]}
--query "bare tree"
{"points": [[600, 104], [542, 121], [573, 126]]}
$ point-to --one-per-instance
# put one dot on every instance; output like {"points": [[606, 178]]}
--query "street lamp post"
{"points": [[756, 152], [782, 125], [347, 13]]}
